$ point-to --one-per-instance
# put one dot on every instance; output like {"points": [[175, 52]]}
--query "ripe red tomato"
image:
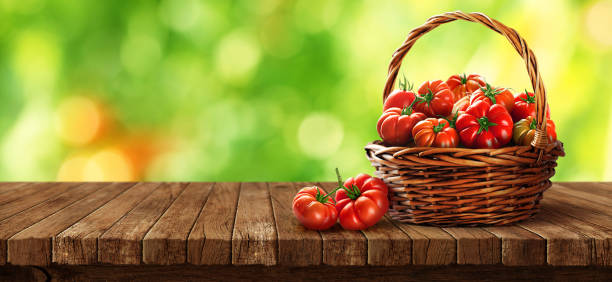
{"points": [[485, 126], [501, 96], [464, 85], [314, 208], [395, 125], [461, 105], [524, 106], [435, 132], [434, 99], [400, 98], [524, 131], [362, 202]]}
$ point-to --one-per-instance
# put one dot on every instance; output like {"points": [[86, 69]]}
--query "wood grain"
{"points": [[388, 245], [297, 245], [254, 239], [475, 245], [210, 240], [342, 247], [602, 189], [581, 209], [430, 245], [10, 186], [121, 244], [16, 223], [21, 199], [32, 246], [520, 247], [166, 242], [79, 243], [589, 192]]}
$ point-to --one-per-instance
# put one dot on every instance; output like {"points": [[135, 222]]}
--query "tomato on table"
{"points": [[524, 131], [434, 99], [525, 106], [435, 132], [485, 126], [498, 95], [464, 85], [400, 98], [314, 208], [362, 202], [395, 125]]}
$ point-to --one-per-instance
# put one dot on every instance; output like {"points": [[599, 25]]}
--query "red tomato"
{"points": [[524, 131], [464, 85], [434, 99], [435, 132], [485, 126], [395, 125], [461, 105], [501, 96], [400, 98], [314, 208], [524, 106], [362, 202]]}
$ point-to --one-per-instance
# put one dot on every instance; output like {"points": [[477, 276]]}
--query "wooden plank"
{"points": [[475, 245], [520, 247], [601, 237], [582, 209], [563, 246], [254, 239], [297, 245], [121, 244], [15, 202], [588, 192], [79, 243], [430, 245], [32, 246], [342, 247], [387, 244], [10, 186], [166, 242], [597, 188], [14, 224], [210, 240]]}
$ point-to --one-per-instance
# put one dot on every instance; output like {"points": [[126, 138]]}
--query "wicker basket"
{"points": [[461, 186]]}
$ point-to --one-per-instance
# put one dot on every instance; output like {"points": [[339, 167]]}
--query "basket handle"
{"points": [[540, 141]]}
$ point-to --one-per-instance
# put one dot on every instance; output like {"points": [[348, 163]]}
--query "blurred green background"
{"points": [[267, 90]]}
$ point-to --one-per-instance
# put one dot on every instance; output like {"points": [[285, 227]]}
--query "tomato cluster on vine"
{"points": [[463, 111]]}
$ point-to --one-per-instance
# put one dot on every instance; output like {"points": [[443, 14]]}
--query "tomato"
{"points": [[434, 99], [395, 125], [485, 126], [464, 85], [400, 98], [461, 105], [314, 208], [524, 106], [435, 132], [501, 96], [362, 202], [524, 131]]}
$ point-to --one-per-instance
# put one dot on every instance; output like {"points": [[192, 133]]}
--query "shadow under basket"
{"points": [[462, 186]]}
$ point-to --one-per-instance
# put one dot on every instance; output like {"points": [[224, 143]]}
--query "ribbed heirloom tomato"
{"points": [[435, 132], [464, 85], [485, 126], [434, 99], [395, 125], [362, 202], [314, 208], [501, 96], [524, 106], [400, 98], [524, 131]]}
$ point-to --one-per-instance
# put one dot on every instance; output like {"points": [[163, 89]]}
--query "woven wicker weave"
{"points": [[460, 186]]}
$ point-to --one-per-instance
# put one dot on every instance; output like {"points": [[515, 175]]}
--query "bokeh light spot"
{"points": [[180, 15], [237, 55], [109, 165], [320, 135], [598, 21], [80, 120], [72, 168], [140, 53]]}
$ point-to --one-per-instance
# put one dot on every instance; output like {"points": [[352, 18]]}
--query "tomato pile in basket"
{"points": [[464, 111]]}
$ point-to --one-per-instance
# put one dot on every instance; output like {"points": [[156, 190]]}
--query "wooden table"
{"points": [[247, 230]]}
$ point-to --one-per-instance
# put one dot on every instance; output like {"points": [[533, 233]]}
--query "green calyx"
{"points": [[530, 99], [463, 78], [404, 84], [484, 124], [426, 98], [490, 92], [439, 127], [352, 193], [408, 110], [533, 124]]}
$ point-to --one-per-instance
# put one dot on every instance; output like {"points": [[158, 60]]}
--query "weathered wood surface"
{"points": [[54, 224]]}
